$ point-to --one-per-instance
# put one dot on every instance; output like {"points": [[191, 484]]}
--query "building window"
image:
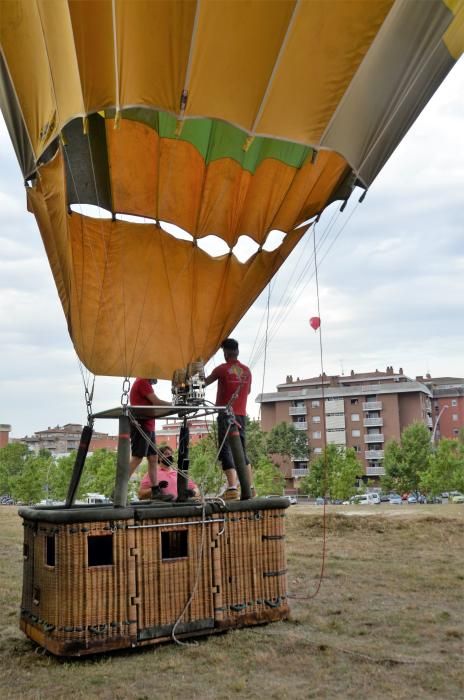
{"points": [[355, 417], [354, 401], [455, 431], [318, 450], [356, 448], [315, 404], [316, 419], [355, 433], [454, 402], [317, 435], [455, 417]]}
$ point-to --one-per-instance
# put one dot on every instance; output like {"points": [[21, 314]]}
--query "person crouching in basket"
{"points": [[167, 478]]}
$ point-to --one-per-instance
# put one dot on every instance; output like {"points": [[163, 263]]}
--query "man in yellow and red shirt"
{"points": [[234, 385]]}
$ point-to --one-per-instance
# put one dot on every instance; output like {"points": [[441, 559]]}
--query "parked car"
{"points": [[292, 500], [456, 497], [6, 501], [319, 501], [434, 499], [365, 499], [384, 498], [395, 499], [412, 499]]}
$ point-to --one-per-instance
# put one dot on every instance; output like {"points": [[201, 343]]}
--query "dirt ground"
{"points": [[388, 621]]}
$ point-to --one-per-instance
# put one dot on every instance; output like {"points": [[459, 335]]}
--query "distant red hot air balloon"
{"points": [[315, 322]]}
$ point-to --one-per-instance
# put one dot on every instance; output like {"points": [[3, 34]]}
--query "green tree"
{"points": [[346, 468], [59, 477], [267, 477], [204, 469], [12, 458], [285, 440], [445, 468], [406, 463], [392, 463], [99, 473], [256, 443], [29, 485], [333, 474]]}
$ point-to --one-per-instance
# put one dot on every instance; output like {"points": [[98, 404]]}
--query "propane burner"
{"points": [[188, 385]]}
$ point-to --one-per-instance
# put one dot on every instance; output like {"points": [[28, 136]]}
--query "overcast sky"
{"points": [[391, 279]]}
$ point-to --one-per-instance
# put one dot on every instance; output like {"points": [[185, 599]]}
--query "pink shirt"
{"points": [[169, 475]]}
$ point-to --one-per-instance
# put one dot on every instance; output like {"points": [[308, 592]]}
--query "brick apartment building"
{"points": [[5, 430], [168, 434], [62, 440], [448, 404], [362, 411]]}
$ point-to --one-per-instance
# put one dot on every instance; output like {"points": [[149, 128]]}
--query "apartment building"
{"points": [[62, 440], [5, 430], [363, 411], [448, 405], [168, 434]]}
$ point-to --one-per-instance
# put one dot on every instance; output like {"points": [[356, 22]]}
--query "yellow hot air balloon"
{"points": [[221, 117]]}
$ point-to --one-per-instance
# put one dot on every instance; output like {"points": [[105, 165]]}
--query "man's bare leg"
{"points": [[153, 469], [133, 464]]}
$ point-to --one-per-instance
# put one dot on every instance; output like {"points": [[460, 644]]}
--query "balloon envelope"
{"points": [[315, 322], [223, 118]]}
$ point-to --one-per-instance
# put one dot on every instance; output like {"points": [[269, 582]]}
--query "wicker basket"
{"points": [[98, 578]]}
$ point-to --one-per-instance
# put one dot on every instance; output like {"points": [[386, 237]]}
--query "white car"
{"points": [[365, 499]]}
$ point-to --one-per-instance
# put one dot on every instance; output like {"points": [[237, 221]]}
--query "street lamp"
{"points": [[432, 439]]}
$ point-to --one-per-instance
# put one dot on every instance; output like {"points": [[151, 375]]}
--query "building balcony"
{"points": [[372, 406], [297, 411], [373, 454], [373, 437], [301, 425], [298, 473], [375, 471], [373, 422]]}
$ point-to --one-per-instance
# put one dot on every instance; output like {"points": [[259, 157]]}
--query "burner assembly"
{"points": [[188, 385]]}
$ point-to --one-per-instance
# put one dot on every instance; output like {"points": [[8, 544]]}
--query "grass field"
{"points": [[388, 621]]}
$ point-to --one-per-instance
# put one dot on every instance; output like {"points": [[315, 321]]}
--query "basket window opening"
{"points": [[50, 550], [174, 544], [100, 550]]}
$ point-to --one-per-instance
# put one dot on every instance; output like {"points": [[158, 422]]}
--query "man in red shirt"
{"points": [[234, 385], [142, 394]]}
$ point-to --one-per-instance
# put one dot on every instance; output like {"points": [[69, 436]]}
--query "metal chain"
{"points": [[125, 392], [88, 401]]}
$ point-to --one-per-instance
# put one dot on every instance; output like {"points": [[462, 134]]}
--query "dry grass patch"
{"points": [[388, 622]]}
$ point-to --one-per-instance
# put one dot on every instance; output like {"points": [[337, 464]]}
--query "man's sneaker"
{"points": [[231, 494], [156, 494]]}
